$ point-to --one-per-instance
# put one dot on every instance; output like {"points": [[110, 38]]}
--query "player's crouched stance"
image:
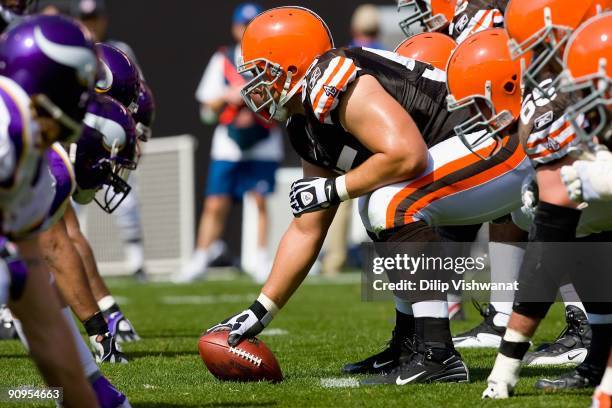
{"points": [[37, 184], [554, 144], [381, 121]]}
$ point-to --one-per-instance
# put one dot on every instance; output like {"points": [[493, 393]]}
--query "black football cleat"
{"points": [[433, 362], [384, 361], [568, 381], [485, 335], [570, 347]]}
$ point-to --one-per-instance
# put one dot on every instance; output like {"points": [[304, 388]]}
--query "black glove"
{"points": [[313, 194]]}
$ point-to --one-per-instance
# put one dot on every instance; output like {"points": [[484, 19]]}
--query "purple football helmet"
{"points": [[118, 76], [145, 115], [53, 59], [105, 154]]}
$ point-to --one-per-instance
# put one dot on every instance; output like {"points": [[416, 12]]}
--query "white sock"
{"points": [[606, 381], [87, 361], [570, 297], [215, 250], [21, 334], [199, 258], [134, 256], [505, 370], [403, 306], [431, 308], [506, 260]]}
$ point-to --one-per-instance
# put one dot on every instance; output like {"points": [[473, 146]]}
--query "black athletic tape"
{"points": [[513, 350], [96, 325], [259, 310]]}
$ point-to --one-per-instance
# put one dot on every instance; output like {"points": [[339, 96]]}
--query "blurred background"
{"points": [[173, 42]]}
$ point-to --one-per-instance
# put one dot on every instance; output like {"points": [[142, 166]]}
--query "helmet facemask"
{"points": [[258, 93], [484, 124], [593, 100], [70, 129], [422, 15], [547, 45], [117, 181]]}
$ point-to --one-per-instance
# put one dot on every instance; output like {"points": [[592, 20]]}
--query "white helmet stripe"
{"points": [[111, 130], [80, 58], [105, 83]]}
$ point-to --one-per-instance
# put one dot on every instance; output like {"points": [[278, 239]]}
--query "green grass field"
{"points": [[324, 326]]}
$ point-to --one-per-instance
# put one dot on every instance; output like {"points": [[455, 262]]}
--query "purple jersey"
{"points": [[64, 182], [25, 184]]}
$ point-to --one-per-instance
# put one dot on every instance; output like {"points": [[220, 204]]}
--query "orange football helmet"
{"points": [[433, 15], [278, 47], [545, 25], [433, 48], [482, 77], [588, 72]]}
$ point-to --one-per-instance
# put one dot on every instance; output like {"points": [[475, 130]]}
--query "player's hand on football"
{"points": [[248, 323], [313, 194], [589, 180]]}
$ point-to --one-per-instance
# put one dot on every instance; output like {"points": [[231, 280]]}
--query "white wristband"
{"points": [[341, 188], [268, 304], [106, 303]]}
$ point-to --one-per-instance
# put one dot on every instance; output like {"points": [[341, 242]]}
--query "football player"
{"points": [[539, 30], [120, 81], [457, 18], [379, 120], [588, 72], [43, 100]]}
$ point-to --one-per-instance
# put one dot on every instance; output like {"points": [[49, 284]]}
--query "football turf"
{"points": [[324, 326]]}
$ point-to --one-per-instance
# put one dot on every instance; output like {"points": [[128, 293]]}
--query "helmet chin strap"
{"points": [[281, 114]]}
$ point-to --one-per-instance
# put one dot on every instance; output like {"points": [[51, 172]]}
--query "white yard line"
{"points": [[206, 299], [339, 382]]}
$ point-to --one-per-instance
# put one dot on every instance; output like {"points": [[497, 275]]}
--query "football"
{"points": [[250, 360]]}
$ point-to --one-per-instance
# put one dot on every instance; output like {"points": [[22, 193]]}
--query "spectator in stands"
{"points": [[245, 155]]}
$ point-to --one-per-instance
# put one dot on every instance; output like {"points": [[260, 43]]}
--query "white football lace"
{"points": [[247, 356]]}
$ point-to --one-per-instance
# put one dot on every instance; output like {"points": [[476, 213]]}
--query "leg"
{"points": [[44, 325], [210, 230], [263, 259], [118, 325], [433, 357], [506, 250], [555, 220], [337, 241], [128, 220]]}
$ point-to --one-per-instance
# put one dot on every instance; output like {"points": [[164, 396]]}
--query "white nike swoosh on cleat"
{"points": [[376, 365], [399, 380]]}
